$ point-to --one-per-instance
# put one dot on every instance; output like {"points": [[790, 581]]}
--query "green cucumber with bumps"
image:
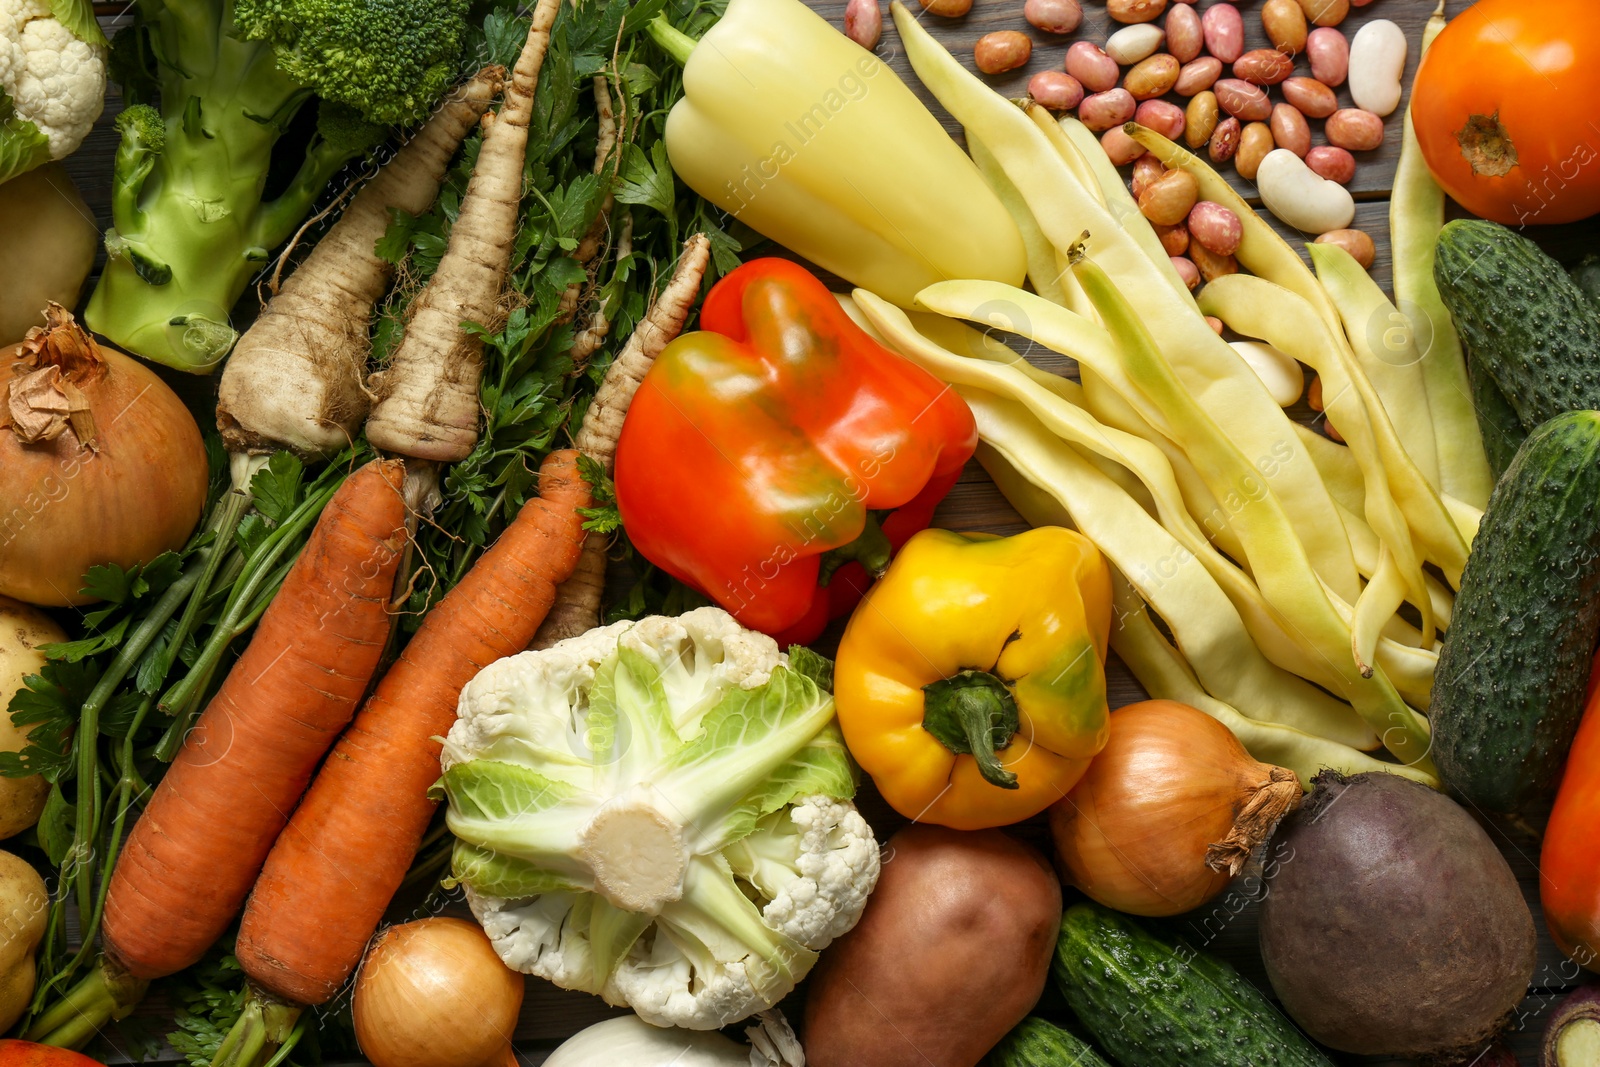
{"points": [[1522, 318], [1509, 689], [1154, 1003], [1036, 1043]]}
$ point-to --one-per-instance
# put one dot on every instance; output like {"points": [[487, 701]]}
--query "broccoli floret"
{"points": [[388, 59], [190, 225]]}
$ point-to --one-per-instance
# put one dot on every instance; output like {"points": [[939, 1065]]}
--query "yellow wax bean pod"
{"points": [[1260, 308], [1043, 272], [1210, 370], [1275, 638], [1385, 346], [1166, 675], [1203, 620], [1416, 215], [1279, 564]]}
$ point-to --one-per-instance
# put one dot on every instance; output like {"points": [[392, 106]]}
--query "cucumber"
{"points": [[1036, 1043], [1151, 1003], [1521, 317], [1510, 684], [1587, 277], [1502, 431]]}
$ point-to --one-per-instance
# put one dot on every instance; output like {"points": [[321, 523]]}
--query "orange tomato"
{"points": [[14, 1053], [1504, 105]]}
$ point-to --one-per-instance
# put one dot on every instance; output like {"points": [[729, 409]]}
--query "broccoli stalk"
{"points": [[216, 84]]}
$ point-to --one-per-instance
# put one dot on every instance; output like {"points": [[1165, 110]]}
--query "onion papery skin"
{"points": [[433, 993], [136, 490], [1171, 783]]}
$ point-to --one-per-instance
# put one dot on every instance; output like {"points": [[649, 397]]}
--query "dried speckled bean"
{"points": [[1104, 110], [1168, 199], [1356, 242], [1285, 24], [1187, 271], [1215, 227], [1162, 116], [1332, 163], [1326, 12], [1185, 38], [1152, 77], [1254, 144], [1212, 266], [1245, 102], [1002, 50], [950, 9], [1095, 71], [1055, 90], [1120, 148], [1224, 140], [863, 23], [1198, 75], [1135, 10], [1146, 170], [1053, 16], [1223, 28], [1352, 128], [1329, 53], [1174, 239], [1200, 119], [1315, 100], [1290, 130], [1263, 66]]}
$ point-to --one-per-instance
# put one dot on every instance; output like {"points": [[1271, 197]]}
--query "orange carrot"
{"points": [[346, 850], [194, 853]]}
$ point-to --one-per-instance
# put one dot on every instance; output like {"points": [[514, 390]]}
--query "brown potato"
{"points": [[951, 953]]}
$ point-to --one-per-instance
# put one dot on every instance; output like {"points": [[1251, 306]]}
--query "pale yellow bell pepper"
{"points": [[813, 141]]}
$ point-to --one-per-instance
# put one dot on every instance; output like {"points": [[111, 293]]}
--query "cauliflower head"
{"points": [[658, 812], [52, 80]]}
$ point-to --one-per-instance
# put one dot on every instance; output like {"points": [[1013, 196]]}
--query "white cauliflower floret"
{"points": [[55, 80], [658, 813]]}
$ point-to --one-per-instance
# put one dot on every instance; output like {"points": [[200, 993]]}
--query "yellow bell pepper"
{"points": [[970, 682], [813, 141]]}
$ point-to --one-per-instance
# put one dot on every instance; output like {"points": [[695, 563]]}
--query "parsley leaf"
{"points": [[278, 486]]}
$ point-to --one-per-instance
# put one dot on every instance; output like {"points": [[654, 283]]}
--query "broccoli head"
{"points": [[387, 59]]}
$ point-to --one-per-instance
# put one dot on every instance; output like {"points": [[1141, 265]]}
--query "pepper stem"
{"points": [[973, 714], [872, 550], [673, 41]]}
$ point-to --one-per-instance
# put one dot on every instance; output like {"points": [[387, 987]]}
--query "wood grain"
{"points": [[1228, 926]]}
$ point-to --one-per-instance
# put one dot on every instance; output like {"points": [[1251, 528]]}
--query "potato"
{"points": [[22, 630], [24, 904], [50, 239], [951, 953]]}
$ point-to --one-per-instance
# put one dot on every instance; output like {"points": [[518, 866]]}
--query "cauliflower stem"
{"points": [[658, 813], [216, 84]]}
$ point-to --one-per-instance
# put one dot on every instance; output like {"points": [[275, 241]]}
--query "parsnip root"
{"points": [[295, 379]]}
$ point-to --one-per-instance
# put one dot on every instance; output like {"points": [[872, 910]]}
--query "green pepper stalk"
{"points": [[190, 223]]}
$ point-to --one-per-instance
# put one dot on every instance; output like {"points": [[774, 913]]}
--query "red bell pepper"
{"points": [[775, 458]]}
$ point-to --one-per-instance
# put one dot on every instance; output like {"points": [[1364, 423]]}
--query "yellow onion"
{"points": [[1168, 811], [100, 462], [432, 993]]}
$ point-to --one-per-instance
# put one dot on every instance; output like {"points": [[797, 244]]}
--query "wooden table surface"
{"points": [[1227, 926]]}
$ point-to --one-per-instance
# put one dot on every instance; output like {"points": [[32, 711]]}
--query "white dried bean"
{"points": [[1277, 370], [1300, 197], [1132, 43], [1377, 59]]}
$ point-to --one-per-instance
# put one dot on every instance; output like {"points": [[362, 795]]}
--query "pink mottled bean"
{"points": [[1187, 271], [1095, 71], [1163, 117], [1356, 242], [863, 23], [1263, 66], [1315, 100], [1215, 324], [1223, 29], [1174, 239], [1104, 110], [1245, 102], [1146, 170], [1224, 140], [1329, 52], [1185, 38], [1053, 16], [1332, 163], [1352, 128], [1135, 10], [1198, 75], [1215, 227], [1055, 90], [1002, 50], [1120, 148]]}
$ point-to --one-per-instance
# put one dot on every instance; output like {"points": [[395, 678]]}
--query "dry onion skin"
{"points": [[433, 993], [100, 462], [1168, 812]]}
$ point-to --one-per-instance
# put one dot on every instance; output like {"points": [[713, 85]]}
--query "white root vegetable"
{"points": [[295, 379], [427, 397], [1377, 60], [1300, 197], [577, 605]]}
